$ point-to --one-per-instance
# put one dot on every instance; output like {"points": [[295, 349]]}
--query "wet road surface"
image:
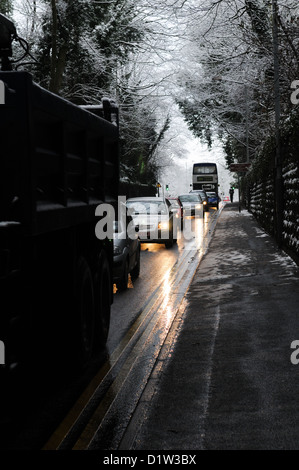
{"points": [[156, 265]]}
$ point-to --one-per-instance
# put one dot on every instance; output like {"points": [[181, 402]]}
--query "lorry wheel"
{"points": [[103, 299], [85, 306]]}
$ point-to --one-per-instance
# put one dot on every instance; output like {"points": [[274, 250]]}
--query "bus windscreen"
{"points": [[204, 169]]}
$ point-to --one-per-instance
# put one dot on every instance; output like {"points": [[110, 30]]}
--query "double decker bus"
{"points": [[205, 176]]}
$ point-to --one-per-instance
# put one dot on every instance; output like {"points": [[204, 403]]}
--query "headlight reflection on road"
{"points": [[194, 230], [199, 232], [166, 307], [196, 233]]}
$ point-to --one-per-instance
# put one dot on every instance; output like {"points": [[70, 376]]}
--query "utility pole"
{"points": [[278, 157]]}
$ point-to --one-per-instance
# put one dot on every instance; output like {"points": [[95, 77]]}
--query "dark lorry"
{"points": [[58, 162]]}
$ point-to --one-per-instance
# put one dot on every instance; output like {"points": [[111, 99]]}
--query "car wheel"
{"points": [[123, 283], [169, 243], [136, 270]]}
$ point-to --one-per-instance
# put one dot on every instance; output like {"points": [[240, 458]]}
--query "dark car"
{"points": [[213, 199], [154, 218], [203, 196], [126, 252], [192, 204]]}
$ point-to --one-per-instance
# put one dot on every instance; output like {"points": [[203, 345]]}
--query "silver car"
{"points": [[204, 198], [154, 218], [192, 205]]}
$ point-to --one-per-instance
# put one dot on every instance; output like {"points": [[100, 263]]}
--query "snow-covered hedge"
{"points": [[291, 205], [261, 201]]}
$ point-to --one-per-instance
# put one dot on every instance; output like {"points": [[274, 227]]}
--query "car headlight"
{"points": [[163, 225], [117, 250]]}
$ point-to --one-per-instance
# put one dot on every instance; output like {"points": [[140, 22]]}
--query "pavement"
{"points": [[231, 380]]}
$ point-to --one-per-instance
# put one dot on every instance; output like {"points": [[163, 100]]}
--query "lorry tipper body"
{"points": [[58, 162]]}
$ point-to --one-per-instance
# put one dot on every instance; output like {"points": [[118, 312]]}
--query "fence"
{"points": [[260, 199]]}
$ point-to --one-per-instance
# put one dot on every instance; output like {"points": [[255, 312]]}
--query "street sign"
{"points": [[239, 167]]}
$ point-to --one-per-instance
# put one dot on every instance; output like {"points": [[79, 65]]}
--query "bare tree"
{"points": [[229, 87]]}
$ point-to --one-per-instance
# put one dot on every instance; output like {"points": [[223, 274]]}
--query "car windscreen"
{"points": [[190, 198], [147, 207]]}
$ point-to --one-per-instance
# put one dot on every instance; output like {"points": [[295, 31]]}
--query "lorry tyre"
{"points": [[103, 299], [85, 306]]}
